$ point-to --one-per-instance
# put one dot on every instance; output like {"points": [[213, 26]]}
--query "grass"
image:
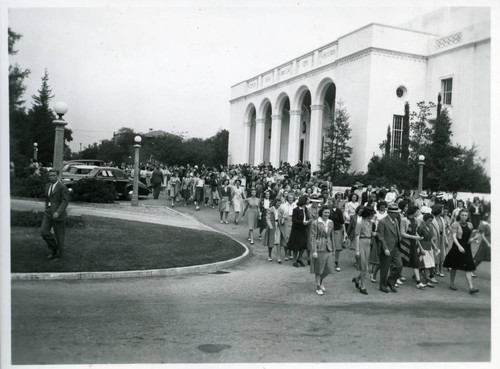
{"points": [[105, 244]]}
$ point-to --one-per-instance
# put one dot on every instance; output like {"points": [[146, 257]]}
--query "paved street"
{"points": [[256, 312]]}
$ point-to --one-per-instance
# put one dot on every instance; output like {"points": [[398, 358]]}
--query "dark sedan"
{"points": [[122, 182]]}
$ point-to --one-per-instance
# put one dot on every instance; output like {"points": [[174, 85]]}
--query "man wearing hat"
{"points": [[420, 200], [389, 234]]}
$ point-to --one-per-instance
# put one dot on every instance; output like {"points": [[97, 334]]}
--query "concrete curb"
{"points": [[204, 268]]}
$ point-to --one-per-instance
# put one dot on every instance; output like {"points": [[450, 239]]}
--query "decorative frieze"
{"points": [[277, 117], [317, 107], [449, 40], [295, 112]]}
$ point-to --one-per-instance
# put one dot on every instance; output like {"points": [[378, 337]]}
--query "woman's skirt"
{"points": [[375, 252], [323, 264], [428, 259], [483, 253], [253, 219], [268, 237], [224, 204]]}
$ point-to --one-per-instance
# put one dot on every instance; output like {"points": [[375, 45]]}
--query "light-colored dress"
{"points": [[253, 212], [269, 237], [285, 213], [173, 186], [237, 198]]}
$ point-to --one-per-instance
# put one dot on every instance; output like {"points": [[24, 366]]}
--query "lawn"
{"points": [[104, 244]]}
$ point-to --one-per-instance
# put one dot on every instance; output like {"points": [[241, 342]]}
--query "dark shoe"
{"points": [[392, 288], [356, 283], [383, 289], [473, 290], [301, 263], [453, 288], [308, 262], [363, 292], [296, 265], [51, 256]]}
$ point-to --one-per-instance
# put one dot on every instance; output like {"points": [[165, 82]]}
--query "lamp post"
{"points": [[135, 195], [421, 159], [35, 152], [60, 108]]}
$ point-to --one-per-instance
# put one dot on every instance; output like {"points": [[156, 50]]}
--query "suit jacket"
{"points": [[388, 235], [320, 238], [58, 199], [364, 196], [451, 206], [351, 228]]}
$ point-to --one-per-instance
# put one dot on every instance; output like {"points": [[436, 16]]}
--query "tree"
{"points": [[336, 151], [405, 141], [388, 142], [21, 146], [420, 132]]}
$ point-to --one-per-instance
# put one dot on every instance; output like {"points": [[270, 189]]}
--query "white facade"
{"points": [[279, 115]]}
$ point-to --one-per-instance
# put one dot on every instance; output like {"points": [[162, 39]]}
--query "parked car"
{"points": [[75, 172], [95, 162], [123, 183]]}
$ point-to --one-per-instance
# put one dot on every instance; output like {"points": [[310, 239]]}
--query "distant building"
{"points": [[158, 133], [280, 114]]}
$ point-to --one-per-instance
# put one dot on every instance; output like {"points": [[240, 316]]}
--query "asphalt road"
{"points": [[256, 312]]}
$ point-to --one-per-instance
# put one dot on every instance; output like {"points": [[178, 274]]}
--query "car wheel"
{"points": [[128, 193]]}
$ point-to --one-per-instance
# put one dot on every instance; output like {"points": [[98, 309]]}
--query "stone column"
{"points": [[315, 136], [293, 137], [259, 141], [57, 162], [246, 142], [274, 156]]}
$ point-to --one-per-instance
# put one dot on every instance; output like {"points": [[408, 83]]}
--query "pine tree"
{"points": [[21, 146], [41, 117], [388, 142], [336, 150]]}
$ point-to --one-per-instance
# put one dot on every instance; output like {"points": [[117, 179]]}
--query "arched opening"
{"points": [[284, 111], [252, 116], [305, 126], [267, 132]]}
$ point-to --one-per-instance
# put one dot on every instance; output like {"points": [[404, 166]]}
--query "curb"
{"points": [[204, 268]]}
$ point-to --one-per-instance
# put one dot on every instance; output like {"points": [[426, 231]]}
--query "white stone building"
{"points": [[280, 114]]}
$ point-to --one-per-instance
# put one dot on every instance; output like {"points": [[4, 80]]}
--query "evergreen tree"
{"points": [[21, 146], [42, 128], [336, 150], [388, 142], [405, 142], [420, 131]]}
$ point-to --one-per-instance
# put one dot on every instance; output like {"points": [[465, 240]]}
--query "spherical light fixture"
{"points": [[61, 108], [137, 139], [421, 157]]}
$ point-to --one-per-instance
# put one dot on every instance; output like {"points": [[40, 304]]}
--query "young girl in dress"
{"points": [[427, 246]]}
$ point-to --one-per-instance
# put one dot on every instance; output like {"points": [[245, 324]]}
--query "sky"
{"points": [[170, 65]]}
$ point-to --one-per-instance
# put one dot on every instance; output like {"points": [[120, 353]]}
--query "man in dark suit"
{"points": [[389, 234], [54, 215], [366, 195], [452, 203], [339, 231]]}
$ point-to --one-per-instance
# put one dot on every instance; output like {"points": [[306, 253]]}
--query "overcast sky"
{"points": [[171, 65]]}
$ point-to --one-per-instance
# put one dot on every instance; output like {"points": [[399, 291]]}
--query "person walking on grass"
{"points": [[54, 215]]}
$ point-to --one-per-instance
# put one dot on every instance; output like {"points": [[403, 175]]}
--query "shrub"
{"points": [[34, 219], [93, 190], [32, 186]]}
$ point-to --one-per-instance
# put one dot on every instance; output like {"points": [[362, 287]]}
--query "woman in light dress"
{"points": [[225, 195], [238, 197], [173, 187], [271, 234], [252, 206], [285, 213]]}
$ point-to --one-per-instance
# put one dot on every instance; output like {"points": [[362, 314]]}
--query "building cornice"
{"points": [[323, 68]]}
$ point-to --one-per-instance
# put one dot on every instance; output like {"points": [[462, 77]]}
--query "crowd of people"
{"points": [[301, 218]]}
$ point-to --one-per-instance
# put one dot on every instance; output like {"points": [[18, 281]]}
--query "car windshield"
{"points": [[74, 170]]}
